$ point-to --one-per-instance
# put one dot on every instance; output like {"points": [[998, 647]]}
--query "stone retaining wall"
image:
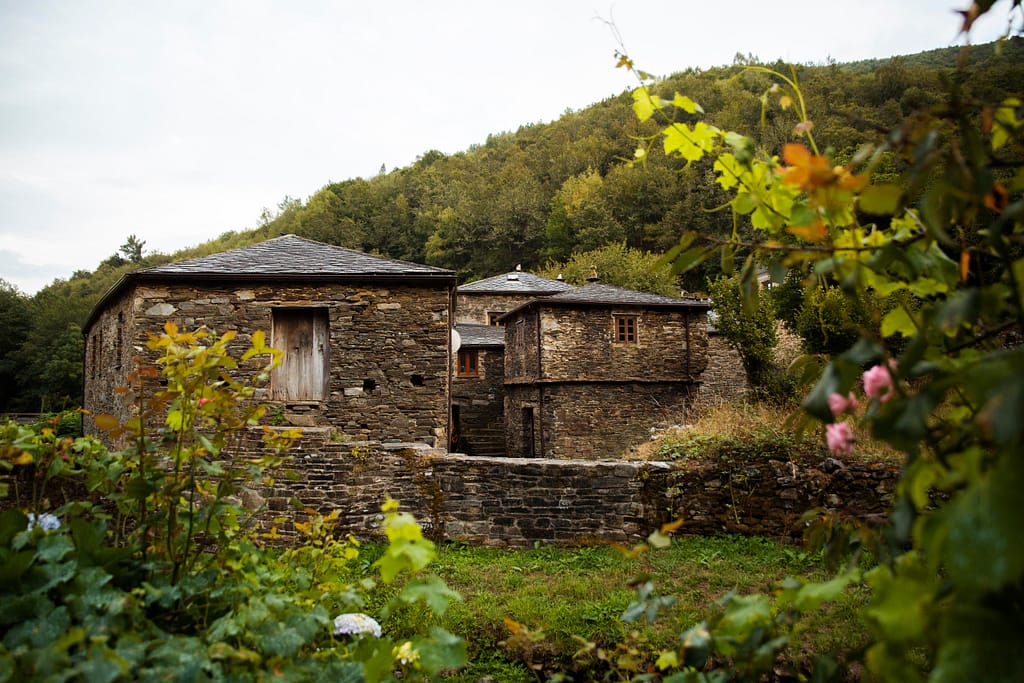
{"points": [[768, 497], [519, 501], [479, 500]]}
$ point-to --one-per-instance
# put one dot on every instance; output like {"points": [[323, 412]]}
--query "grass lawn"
{"points": [[573, 593]]}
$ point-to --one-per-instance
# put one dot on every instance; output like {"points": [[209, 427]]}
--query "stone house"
{"points": [[478, 386], [367, 339], [590, 371]]}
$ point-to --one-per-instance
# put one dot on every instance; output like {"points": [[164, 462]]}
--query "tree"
{"points": [[15, 323], [131, 250], [829, 321], [748, 325], [616, 265], [322, 219]]}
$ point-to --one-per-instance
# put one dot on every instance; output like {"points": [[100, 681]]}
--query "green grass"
{"points": [[572, 593]]}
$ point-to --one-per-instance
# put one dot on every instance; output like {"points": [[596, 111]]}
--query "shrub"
{"points": [[167, 575]]}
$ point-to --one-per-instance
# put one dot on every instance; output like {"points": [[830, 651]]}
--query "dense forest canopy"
{"points": [[538, 196]]}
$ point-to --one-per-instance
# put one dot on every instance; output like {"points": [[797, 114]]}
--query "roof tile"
{"points": [[293, 255], [515, 282]]}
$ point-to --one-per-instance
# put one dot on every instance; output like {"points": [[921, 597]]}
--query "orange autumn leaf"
{"points": [[805, 170], [812, 172], [814, 232], [998, 198]]}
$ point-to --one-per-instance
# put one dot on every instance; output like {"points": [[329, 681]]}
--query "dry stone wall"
{"points": [[473, 308], [480, 500], [578, 345], [517, 501], [768, 497]]}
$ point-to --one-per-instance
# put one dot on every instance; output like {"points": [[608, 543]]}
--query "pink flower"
{"points": [[878, 382], [839, 404], [204, 401], [839, 437]]}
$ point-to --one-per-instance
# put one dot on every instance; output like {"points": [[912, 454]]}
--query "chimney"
{"points": [[593, 274]]}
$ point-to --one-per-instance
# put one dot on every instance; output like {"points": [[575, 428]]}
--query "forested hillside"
{"points": [[532, 197]]}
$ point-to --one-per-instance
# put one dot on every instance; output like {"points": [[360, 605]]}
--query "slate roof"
{"points": [[481, 335], [287, 258], [515, 282], [606, 296], [290, 255]]}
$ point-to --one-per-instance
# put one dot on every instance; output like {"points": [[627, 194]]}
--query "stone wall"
{"points": [[521, 347], [489, 501], [589, 420], [767, 497], [111, 344], [389, 350], [724, 379], [517, 501]]}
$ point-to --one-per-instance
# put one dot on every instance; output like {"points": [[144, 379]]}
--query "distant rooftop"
{"points": [[596, 294], [480, 335], [515, 282]]}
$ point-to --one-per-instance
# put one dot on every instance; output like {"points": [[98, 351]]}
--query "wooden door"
{"points": [[302, 334]]}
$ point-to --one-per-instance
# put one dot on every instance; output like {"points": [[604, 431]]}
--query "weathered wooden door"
{"points": [[302, 333]]}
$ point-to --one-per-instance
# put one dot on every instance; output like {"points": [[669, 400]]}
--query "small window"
{"points": [[492, 317], [625, 329], [468, 363]]}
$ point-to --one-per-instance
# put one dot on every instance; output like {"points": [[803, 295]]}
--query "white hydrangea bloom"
{"points": [[45, 521], [356, 623]]}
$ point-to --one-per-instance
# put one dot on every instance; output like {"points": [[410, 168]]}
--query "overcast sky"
{"points": [[177, 120]]}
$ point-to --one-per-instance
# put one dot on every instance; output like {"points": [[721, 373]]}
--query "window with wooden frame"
{"points": [[302, 333], [492, 317], [625, 329], [468, 363]]}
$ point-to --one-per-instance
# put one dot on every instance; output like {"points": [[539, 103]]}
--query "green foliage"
{"points": [[938, 378], [745, 317], [15, 323], [616, 265], [157, 570], [829, 321]]}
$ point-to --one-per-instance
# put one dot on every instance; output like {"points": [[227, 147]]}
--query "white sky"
{"points": [[178, 120]]}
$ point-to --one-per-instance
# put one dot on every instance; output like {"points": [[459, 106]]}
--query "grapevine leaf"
{"points": [[898, 321], [881, 199], [645, 104], [686, 104]]}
